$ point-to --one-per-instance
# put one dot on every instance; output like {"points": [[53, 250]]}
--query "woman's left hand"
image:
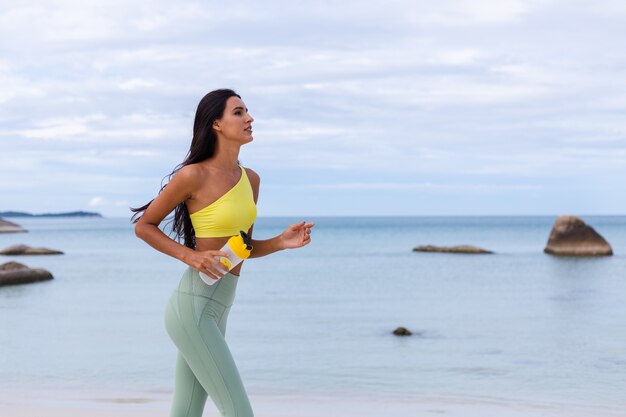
{"points": [[296, 235]]}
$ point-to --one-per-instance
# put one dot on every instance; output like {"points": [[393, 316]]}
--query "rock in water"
{"points": [[451, 249], [8, 227], [12, 273], [27, 250], [402, 331], [571, 236]]}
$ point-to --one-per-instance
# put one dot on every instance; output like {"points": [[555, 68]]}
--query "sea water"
{"points": [[318, 321]]}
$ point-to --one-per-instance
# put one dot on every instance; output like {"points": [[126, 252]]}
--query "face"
{"points": [[236, 123]]}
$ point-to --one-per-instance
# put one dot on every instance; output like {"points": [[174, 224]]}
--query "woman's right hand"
{"points": [[207, 262]]}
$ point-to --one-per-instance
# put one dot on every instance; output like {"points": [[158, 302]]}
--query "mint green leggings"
{"points": [[195, 319]]}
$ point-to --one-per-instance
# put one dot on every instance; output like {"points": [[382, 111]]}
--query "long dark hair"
{"points": [[210, 108]]}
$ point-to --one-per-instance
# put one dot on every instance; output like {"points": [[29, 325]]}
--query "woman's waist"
{"points": [[222, 291]]}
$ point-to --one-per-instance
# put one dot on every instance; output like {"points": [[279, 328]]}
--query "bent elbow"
{"points": [[139, 229]]}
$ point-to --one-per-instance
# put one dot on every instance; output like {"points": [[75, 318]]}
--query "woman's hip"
{"points": [[223, 291]]}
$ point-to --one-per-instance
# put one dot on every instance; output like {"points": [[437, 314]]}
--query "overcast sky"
{"points": [[361, 108]]}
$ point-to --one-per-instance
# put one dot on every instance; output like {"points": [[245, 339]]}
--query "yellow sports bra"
{"points": [[226, 216]]}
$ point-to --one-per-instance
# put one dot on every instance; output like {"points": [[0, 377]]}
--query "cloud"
{"points": [[96, 201], [467, 12], [136, 83], [106, 91], [59, 128], [14, 86], [99, 129], [99, 203], [398, 186]]}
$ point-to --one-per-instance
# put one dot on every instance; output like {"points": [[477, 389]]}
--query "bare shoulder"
{"points": [[189, 170], [255, 181], [253, 176], [191, 175], [180, 188], [188, 180]]}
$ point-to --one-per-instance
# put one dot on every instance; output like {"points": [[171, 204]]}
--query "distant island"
{"points": [[68, 214]]}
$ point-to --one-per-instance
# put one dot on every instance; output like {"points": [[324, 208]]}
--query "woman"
{"points": [[213, 198]]}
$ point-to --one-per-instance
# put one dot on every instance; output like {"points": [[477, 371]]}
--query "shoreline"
{"points": [[135, 404]]}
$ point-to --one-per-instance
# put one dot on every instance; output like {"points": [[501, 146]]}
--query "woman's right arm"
{"points": [[177, 190]]}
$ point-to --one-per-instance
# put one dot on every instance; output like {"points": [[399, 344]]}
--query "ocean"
{"points": [[517, 325]]}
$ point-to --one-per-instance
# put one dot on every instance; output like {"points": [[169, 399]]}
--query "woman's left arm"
{"points": [[295, 236]]}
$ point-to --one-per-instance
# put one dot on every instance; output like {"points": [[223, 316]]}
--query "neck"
{"points": [[226, 155]]}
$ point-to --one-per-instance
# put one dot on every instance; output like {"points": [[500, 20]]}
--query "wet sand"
{"points": [[122, 406]]}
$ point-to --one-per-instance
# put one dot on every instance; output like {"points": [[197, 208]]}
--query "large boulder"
{"points": [[451, 249], [12, 273], [27, 250], [8, 227], [571, 236]]}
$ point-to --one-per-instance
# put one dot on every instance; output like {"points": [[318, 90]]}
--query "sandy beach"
{"points": [[158, 406]]}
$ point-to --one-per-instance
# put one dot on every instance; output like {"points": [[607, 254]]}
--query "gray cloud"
{"points": [[352, 93]]}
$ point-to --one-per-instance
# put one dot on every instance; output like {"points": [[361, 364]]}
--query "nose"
{"points": [[250, 118]]}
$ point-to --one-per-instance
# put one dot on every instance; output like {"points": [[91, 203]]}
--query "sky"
{"points": [[362, 108]]}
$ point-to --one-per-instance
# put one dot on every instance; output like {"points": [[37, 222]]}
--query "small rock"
{"points": [[27, 250], [451, 249], [12, 273], [8, 227], [570, 236], [402, 331]]}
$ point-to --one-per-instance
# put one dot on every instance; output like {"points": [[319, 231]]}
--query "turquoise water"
{"points": [[518, 324]]}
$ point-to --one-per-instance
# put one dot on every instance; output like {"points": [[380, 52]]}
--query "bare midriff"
{"points": [[215, 243]]}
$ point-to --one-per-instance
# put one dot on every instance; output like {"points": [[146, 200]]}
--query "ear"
{"points": [[216, 126]]}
